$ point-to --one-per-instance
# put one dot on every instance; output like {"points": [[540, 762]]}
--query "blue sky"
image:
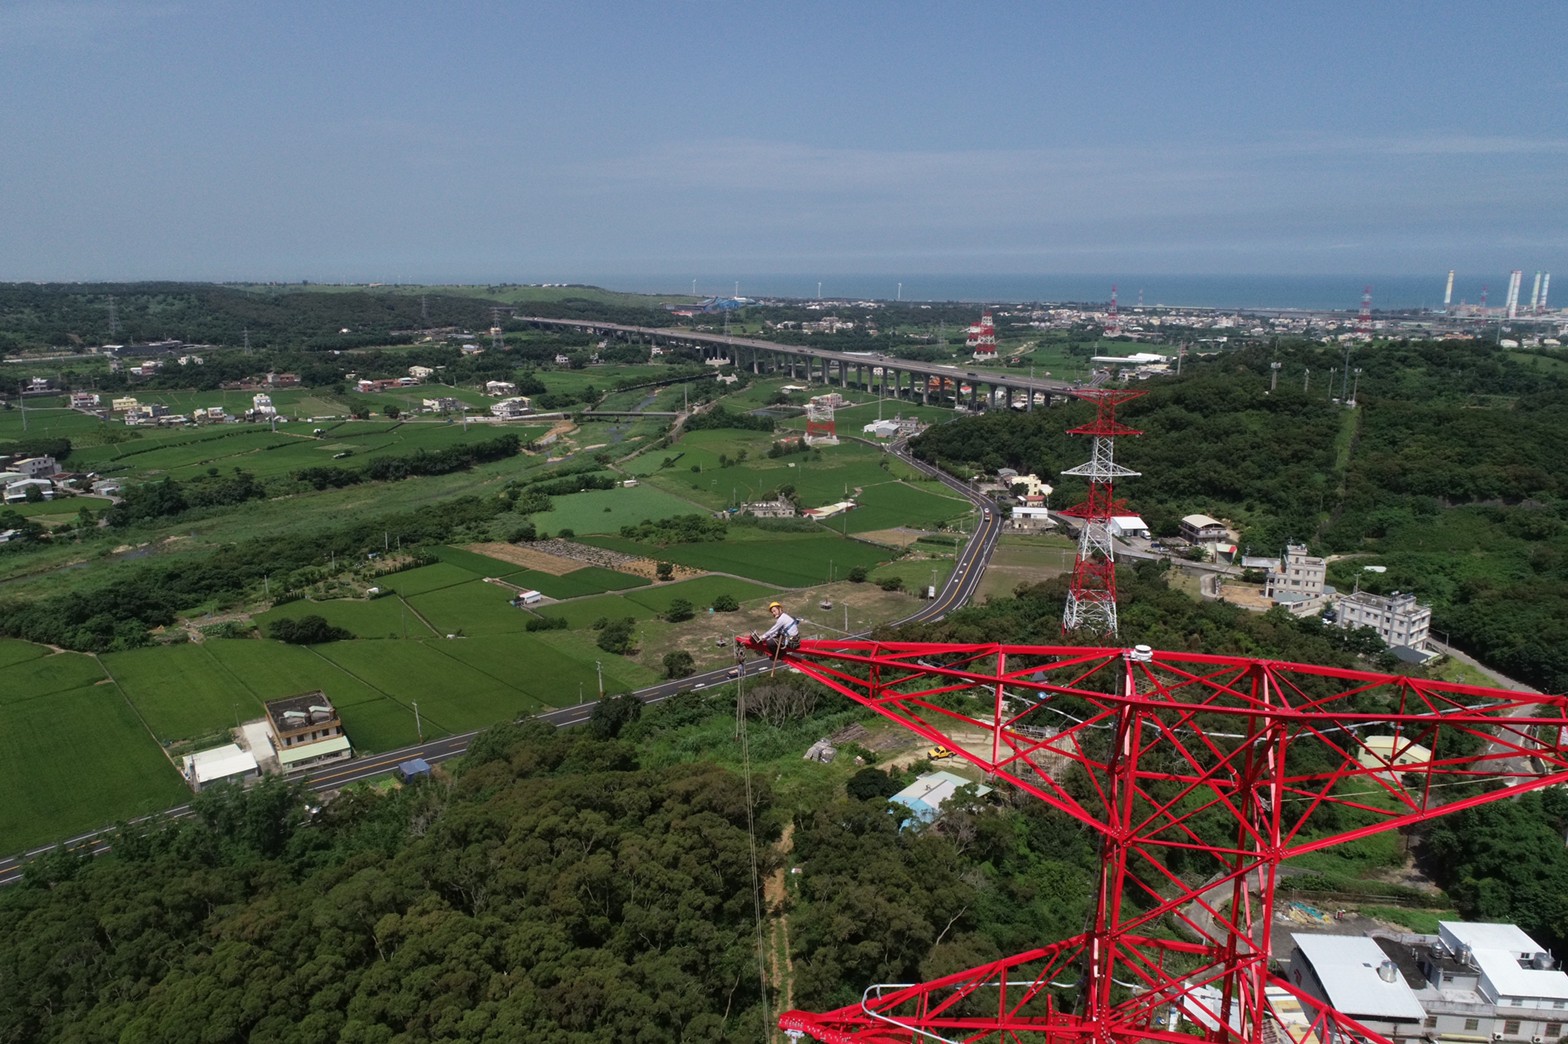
{"points": [[553, 141]]}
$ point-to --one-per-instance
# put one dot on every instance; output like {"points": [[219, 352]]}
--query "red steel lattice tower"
{"points": [[1091, 603], [1200, 774]]}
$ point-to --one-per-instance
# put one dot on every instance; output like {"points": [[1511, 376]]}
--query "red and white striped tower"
{"points": [[820, 428], [981, 341], [1091, 603], [1364, 320], [1113, 322]]}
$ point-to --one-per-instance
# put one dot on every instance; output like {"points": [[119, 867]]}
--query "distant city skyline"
{"points": [[553, 142]]}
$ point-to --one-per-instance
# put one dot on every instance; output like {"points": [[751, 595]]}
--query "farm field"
{"points": [[782, 559], [386, 617], [607, 510], [38, 677], [184, 452], [76, 760], [1026, 558], [141, 702]]}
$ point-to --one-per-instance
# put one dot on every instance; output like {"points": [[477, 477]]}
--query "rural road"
{"points": [[967, 571]]}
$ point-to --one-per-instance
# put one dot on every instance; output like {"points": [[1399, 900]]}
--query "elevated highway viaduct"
{"points": [[926, 383]]}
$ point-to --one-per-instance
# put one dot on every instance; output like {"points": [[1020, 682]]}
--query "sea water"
{"points": [[1306, 292]]}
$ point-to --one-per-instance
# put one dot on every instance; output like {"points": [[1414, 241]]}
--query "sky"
{"points": [[546, 141]]}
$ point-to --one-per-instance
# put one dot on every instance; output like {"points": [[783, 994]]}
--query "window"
{"points": [[1431, 1022], [1511, 1028], [1554, 1029], [1472, 1025]]}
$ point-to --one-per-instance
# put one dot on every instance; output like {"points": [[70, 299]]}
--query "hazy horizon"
{"points": [[399, 142]]}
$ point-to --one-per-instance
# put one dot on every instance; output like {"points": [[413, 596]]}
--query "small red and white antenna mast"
{"points": [[1113, 323], [1364, 320]]}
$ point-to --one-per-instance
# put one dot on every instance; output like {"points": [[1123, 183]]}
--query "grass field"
{"points": [[38, 677], [1026, 558], [782, 559], [376, 618], [256, 448], [77, 761], [183, 692], [607, 510], [15, 651]]}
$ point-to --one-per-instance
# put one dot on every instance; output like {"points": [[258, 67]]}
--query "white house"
{"points": [[511, 409], [1124, 526], [220, 764]]}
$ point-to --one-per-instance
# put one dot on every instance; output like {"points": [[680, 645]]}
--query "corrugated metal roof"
{"points": [[1347, 967]]}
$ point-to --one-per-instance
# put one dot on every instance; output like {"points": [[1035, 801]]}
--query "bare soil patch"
{"points": [[1246, 596], [900, 537], [526, 557]]}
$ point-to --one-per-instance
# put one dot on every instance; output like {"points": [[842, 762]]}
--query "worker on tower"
{"points": [[785, 632]]}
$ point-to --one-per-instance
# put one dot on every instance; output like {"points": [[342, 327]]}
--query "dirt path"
{"points": [[781, 968]]}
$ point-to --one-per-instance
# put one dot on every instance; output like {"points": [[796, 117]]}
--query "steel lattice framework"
{"points": [[1222, 765], [1091, 603]]}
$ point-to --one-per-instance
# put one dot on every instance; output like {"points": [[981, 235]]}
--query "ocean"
{"points": [[1308, 292]]}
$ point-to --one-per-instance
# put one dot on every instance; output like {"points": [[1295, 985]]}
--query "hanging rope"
{"points": [[751, 831]]}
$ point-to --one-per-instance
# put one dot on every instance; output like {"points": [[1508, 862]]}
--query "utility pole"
{"points": [[418, 727], [599, 668]]}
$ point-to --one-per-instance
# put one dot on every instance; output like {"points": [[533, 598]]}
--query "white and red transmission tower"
{"points": [[1364, 319], [1200, 774], [1113, 322], [1091, 604], [981, 341]]}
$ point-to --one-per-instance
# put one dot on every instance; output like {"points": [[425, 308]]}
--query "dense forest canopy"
{"points": [[1446, 471], [597, 882]]}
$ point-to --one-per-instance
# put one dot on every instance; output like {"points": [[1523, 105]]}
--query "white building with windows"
{"points": [[1470, 983], [1297, 582], [1397, 618]]}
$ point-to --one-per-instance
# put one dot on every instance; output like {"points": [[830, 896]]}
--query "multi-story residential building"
{"points": [[1298, 581], [1397, 618], [305, 730]]}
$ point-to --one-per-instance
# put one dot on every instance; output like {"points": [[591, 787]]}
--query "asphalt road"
{"points": [[967, 571]]}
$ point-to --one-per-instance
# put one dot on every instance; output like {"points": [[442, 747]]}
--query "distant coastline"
{"points": [[1307, 292]]}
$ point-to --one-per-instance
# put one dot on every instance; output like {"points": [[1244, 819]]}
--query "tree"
{"points": [[857, 575], [680, 609], [679, 664], [725, 603], [665, 570], [392, 412], [307, 630], [891, 583], [869, 784], [616, 636], [612, 714]]}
